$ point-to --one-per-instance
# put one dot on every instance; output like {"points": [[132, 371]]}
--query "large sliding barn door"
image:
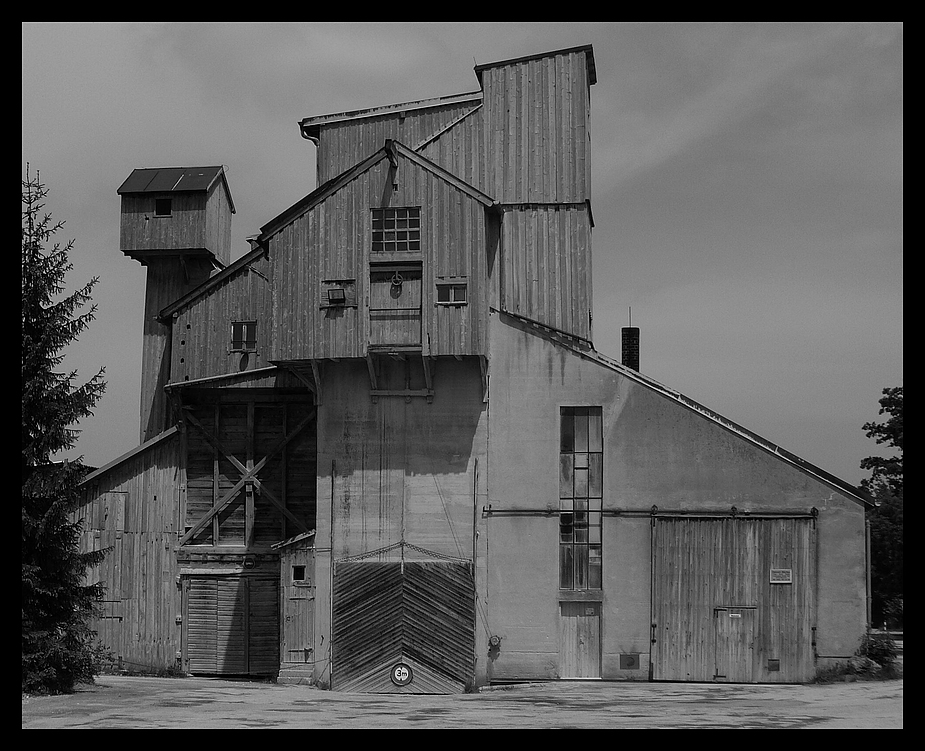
{"points": [[232, 625], [403, 627], [733, 599]]}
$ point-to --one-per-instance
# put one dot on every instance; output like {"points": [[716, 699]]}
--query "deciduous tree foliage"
{"points": [[886, 521], [56, 604]]}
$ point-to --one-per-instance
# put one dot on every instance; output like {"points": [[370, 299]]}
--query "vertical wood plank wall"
{"points": [[197, 221], [546, 257], [332, 241], [201, 338], [140, 572], [346, 143], [536, 132], [702, 566]]}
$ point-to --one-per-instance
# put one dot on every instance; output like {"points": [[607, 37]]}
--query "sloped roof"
{"points": [[310, 126], [174, 180], [592, 69], [391, 150], [587, 352]]}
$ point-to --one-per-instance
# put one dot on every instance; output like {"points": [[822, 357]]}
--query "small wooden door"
{"points": [[734, 644], [395, 306], [580, 640], [298, 602]]}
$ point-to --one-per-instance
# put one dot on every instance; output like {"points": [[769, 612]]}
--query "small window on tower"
{"points": [[244, 336], [162, 207]]}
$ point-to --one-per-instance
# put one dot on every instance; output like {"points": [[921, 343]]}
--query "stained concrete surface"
{"points": [[137, 702]]}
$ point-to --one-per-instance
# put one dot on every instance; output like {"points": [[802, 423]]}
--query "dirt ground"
{"points": [[134, 702]]}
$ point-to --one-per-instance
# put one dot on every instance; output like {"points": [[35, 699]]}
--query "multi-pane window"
{"points": [[451, 293], [581, 484], [244, 336], [397, 230]]}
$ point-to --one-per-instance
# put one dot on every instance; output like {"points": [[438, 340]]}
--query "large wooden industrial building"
{"points": [[379, 451]]}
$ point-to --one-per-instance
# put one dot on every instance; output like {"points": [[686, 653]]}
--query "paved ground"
{"points": [[131, 702]]}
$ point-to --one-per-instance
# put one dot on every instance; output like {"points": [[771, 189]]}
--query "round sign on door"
{"points": [[401, 674]]}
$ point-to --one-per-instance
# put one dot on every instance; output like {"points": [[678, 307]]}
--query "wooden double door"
{"points": [[231, 624]]}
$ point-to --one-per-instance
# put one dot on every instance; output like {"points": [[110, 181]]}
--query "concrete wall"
{"points": [[395, 469], [657, 452]]}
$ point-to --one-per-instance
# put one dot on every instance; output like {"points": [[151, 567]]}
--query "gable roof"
{"points": [[175, 180], [391, 150]]}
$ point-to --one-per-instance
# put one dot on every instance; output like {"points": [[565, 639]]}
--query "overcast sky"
{"points": [[747, 187]]}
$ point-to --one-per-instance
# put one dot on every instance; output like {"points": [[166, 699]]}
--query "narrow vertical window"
{"points": [[581, 484]]}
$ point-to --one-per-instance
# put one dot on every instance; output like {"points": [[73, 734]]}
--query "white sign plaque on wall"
{"points": [[781, 576]]}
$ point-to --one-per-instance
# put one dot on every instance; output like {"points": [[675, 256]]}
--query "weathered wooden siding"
{"points": [[201, 332], [333, 240], [184, 229], [297, 636], [218, 225], [249, 427], [536, 139], [343, 144], [197, 221], [418, 612], [232, 624], [717, 616], [167, 280], [546, 265], [133, 509]]}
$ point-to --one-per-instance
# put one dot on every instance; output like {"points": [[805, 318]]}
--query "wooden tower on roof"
{"points": [[176, 221]]}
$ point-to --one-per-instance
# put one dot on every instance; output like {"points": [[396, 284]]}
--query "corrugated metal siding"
{"points": [[536, 133], [421, 611], [716, 615], [546, 256]]}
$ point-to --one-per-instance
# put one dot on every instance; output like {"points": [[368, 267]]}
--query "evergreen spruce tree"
{"points": [[56, 604]]}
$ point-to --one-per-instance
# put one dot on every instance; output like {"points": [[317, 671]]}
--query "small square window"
{"points": [[162, 206], [455, 293], [244, 336], [396, 230], [298, 573]]}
